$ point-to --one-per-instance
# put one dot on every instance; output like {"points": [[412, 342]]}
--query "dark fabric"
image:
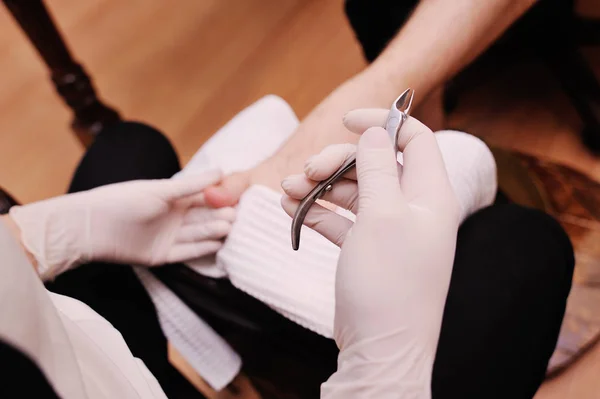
{"points": [[375, 23], [21, 377], [511, 279], [128, 151], [506, 301]]}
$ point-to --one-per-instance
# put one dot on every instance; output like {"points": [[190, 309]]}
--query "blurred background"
{"points": [[187, 69]]}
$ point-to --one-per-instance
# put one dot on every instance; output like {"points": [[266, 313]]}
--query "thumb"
{"points": [[377, 171]]}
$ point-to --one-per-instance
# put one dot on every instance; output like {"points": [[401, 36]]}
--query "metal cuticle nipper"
{"points": [[399, 111]]}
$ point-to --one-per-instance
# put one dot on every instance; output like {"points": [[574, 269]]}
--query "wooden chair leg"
{"points": [[69, 77]]}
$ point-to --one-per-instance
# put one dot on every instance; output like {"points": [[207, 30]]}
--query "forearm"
{"points": [[442, 37]]}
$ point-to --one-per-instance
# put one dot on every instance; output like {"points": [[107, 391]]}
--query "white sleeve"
{"points": [[79, 352]]}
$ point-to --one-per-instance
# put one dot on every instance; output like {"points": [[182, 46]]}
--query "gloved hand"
{"points": [[147, 222], [396, 260]]}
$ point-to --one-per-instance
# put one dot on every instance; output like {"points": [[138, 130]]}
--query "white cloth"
{"points": [[209, 355], [81, 354], [257, 256]]}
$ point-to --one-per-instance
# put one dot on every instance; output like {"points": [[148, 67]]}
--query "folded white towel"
{"points": [[257, 256]]}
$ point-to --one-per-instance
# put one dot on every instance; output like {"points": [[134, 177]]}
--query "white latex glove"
{"points": [[147, 222], [396, 260]]}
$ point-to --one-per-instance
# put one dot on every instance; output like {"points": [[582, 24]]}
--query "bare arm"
{"points": [[438, 40], [442, 37]]}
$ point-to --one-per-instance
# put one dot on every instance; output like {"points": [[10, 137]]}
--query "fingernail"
{"points": [[308, 169], [310, 159], [375, 137], [348, 116], [308, 164], [291, 182]]}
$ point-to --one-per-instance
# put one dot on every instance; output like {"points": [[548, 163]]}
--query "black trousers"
{"points": [[510, 282]]}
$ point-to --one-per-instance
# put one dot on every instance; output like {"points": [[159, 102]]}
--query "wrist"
{"points": [[51, 232], [13, 228]]}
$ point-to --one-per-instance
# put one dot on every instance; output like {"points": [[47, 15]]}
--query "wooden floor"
{"points": [[187, 69], [184, 69]]}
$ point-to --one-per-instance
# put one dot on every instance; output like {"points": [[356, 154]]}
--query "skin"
{"points": [[439, 39]]}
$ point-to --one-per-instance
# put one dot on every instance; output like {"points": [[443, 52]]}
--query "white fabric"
{"points": [[79, 352], [260, 261], [257, 255], [209, 355]]}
